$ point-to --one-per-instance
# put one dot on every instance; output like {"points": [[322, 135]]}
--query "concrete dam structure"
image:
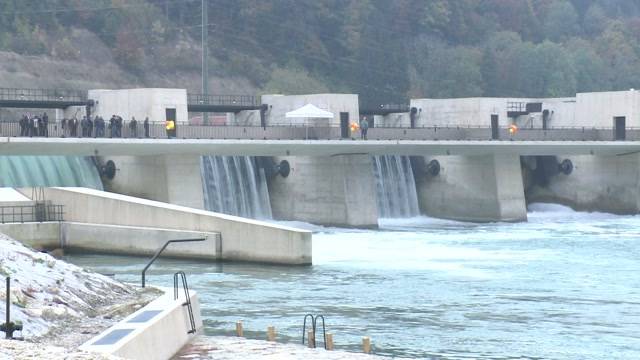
{"points": [[353, 183]]}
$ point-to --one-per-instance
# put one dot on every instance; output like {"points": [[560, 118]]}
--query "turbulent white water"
{"points": [[396, 187], [562, 286], [235, 185]]}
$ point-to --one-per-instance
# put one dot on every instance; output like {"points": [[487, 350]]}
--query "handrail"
{"points": [[182, 276], [314, 323], [161, 250]]}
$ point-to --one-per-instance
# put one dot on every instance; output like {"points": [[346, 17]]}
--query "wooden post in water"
{"points": [[239, 328], [271, 333], [366, 345], [311, 339], [329, 341]]}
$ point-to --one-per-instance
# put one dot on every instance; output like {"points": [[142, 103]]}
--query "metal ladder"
{"points": [[182, 276], [314, 320]]}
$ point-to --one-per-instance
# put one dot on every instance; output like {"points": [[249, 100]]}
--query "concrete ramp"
{"points": [[240, 239]]}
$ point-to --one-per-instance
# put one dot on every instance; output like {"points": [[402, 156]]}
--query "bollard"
{"points": [[311, 339], [8, 332], [329, 341], [366, 345], [271, 333], [239, 328]]}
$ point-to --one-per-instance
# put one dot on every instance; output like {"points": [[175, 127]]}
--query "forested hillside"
{"points": [[386, 50]]}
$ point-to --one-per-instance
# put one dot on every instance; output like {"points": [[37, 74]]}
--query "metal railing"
{"points": [[155, 256], [285, 131], [31, 213], [516, 106], [233, 100], [177, 277], [49, 95]]}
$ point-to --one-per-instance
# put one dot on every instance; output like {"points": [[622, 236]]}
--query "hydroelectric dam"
{"points": [[478, 159]]}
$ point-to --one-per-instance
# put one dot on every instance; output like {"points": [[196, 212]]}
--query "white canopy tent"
{"points": [[309, 111]]}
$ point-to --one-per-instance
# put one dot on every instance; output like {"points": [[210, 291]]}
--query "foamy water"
{"points": [[562, 286]]}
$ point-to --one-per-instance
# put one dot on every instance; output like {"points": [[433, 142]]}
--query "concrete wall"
{"points": [[114, 239], [585, 110], [175, 179], [242, 239], [44, 235], [140, 103], [393, 120], [599, 109], [597, 183], [336, 191], [279, 105], [476, 112], [474, 188], [158, 338], [245, 118], [131, 240]]}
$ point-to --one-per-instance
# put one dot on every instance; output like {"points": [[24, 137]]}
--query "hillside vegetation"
{"points": [[385, 50]]}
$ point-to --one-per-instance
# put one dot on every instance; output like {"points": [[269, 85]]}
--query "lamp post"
{"points": [[205, 61]]}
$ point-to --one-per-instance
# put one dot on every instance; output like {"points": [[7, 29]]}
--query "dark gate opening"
{"points": [[620, 128], [344, 125], [495, 131]]}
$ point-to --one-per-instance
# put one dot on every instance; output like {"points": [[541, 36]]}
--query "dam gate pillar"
{"points": [[335, 191]]}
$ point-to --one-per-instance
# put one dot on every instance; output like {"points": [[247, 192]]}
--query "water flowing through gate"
{"points": [[235, 185], [396, 187]]}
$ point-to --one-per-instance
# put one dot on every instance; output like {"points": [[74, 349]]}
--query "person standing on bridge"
{"points": [[63, 125], [133, 127], [24, 125], [89, 126], [45, 125], [364, 126], [40, 131], [84, 126], [99, 124], [119, 123], [34, 126], [73, 127], [146, 127]]}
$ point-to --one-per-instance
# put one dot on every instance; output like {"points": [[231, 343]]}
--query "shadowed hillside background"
{"points": [[385, 50]]}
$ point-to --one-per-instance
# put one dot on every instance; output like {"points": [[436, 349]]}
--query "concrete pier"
{"points": [[173, 179], [474, 188], [337, 191]]}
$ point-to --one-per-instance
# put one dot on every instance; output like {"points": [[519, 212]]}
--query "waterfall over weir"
{"points": [[235, 185], [28, 171], [396, 187]]}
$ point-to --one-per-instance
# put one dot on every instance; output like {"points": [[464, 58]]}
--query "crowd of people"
{"points": [[95, 127], [34, 125]]}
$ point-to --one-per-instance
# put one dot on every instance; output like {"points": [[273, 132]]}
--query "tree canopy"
{"points": [[384, 50]]}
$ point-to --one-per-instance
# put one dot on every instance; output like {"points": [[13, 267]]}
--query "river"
{"points": [[564, 285]]}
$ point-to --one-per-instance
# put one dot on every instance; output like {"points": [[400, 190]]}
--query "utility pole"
{"points": [[205, 56]]}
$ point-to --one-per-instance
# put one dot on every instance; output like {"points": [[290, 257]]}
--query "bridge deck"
{"points": [[90, 146], [41, 98]]}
